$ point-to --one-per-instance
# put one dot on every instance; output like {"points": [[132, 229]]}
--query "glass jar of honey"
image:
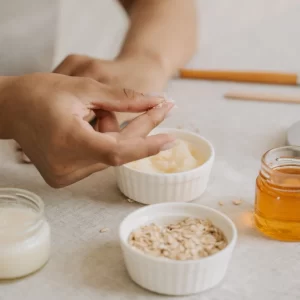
{"points": [[277, 203]]}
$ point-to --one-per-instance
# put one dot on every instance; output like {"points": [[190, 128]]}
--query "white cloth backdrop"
{"points": [[85, 264]]}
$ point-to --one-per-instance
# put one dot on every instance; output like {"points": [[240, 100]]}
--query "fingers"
{"points": [[70, 64], [107, 121], [145, 123], [97, 95], [129, 150], [137, 148], [101, 96], [91, 68], [123, 100], [81, 66], [95, 151], [131, 144], [90, 116], [97, 146]]}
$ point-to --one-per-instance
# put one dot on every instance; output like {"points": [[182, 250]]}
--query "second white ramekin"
{"points": [[173, 277], [150, 188]]}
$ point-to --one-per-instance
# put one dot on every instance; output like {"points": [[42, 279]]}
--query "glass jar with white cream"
{"points": [[24, 233]]}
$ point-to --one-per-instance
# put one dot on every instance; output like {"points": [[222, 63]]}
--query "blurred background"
{"points": [[227, 29]]}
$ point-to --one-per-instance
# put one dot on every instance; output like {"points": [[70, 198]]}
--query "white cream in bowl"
{"points": [[183, 157], [180, 174]]}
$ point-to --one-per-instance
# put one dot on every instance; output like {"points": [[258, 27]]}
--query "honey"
{"points": [[277, 205]]}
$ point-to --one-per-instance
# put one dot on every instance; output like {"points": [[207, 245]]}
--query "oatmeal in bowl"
{"points": [[177, 248]]}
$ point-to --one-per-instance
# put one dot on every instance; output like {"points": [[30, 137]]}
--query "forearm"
{"points": [[162, 30]]}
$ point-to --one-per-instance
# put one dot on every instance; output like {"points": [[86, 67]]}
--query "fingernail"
{"points": [[170, 105], [169, 145], [161, 96], [164, 104]]}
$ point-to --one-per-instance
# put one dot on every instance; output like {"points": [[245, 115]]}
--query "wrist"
{"points": [[154, 61], [6, 115], [145, 72]]}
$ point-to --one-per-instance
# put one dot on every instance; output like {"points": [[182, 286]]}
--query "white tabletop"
{"points": [[87, 264]]}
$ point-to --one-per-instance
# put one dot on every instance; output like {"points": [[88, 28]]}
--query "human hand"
{"points": [[50, 126], [138, 72]]}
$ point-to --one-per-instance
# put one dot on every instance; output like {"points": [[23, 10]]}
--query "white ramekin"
{"points": [[172, 277], [150, 188]]}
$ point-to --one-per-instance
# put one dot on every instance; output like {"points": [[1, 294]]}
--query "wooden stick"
{"points": [[262, 97], [242, 76]]}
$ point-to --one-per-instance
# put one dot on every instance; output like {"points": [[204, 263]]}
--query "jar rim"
{"points": [[281, 161], [32, 199], [297, 148]]}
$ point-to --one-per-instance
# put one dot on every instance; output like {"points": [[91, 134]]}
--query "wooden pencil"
{"points": [[262, 97], [242, 76]]}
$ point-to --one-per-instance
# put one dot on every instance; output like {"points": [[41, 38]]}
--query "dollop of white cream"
{"points": [[183, 157]]}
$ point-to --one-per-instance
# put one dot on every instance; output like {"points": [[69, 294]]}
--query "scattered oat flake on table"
{"points": [[179, 127], [237, 202], [221, 203], [104, 230]]}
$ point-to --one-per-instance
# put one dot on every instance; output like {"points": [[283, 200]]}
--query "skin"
{"points": [[52, 110], [51, 127], [153, 47], [144, 64]]}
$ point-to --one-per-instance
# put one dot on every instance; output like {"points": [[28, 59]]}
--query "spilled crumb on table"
{"points": [[237, 202]]}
